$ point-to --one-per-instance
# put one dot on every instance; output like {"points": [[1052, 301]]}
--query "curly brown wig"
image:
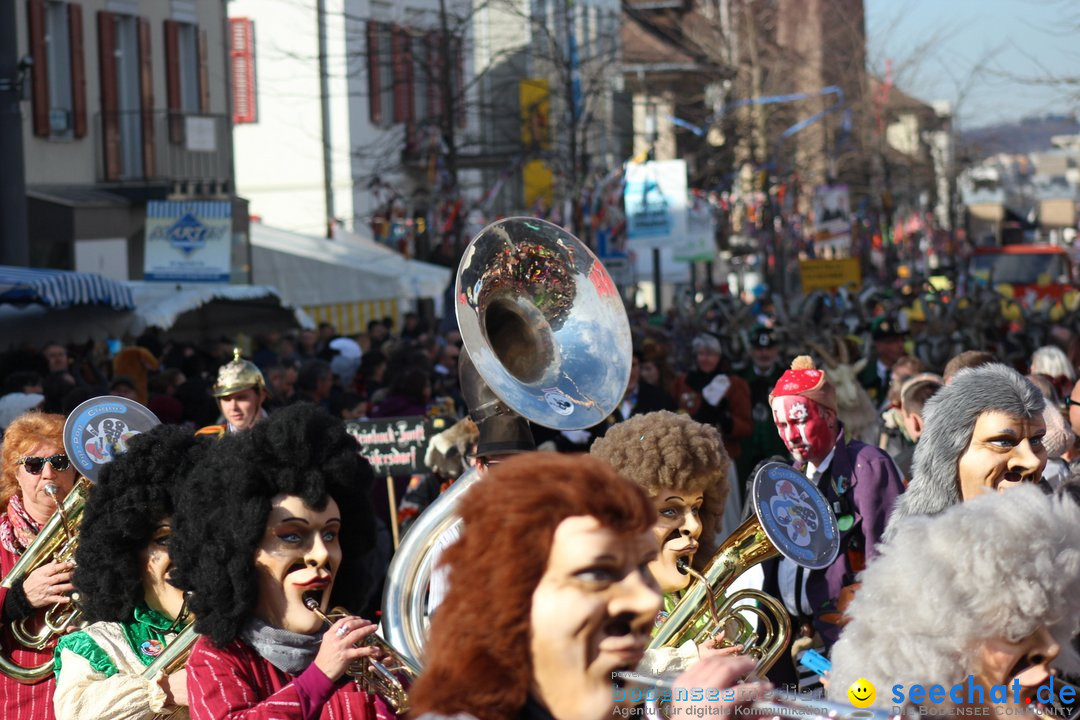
{"points": [[478, 653], [665, 450], [21, 436]]}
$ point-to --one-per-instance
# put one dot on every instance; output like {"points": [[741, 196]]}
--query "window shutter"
{"points": [[78, 70], [458, 83], [242, 56], [146, 86], [374, 85], [172, 81], [435, 75], [35, 11], [403, 86], [110, 121], [204, 75]]}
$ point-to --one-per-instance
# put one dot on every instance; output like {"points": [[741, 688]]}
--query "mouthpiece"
{"points": [[682, 566], [311, 603], [51, 489]]}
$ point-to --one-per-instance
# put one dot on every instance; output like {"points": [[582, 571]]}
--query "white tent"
{"points": [[187, 312], [347, 281]]}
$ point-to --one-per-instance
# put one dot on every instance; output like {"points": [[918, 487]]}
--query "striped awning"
{"points": [[352, 318], [62, 288]]}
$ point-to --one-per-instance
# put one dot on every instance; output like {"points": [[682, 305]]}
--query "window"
{"points": [[188, 62], [59, 88], [58, 66]]}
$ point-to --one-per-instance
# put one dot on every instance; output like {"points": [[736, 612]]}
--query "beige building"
{"points": [[128, 101]]}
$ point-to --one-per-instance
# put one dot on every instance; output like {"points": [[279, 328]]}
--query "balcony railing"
{"points": [[162, 146]]}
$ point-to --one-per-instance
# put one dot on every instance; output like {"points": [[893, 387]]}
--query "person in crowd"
{"points": [[860, 482], [240, 391], [894, 438], [315, 383], [293, 522], [57, 358], [348, 406], [33, 464], [966, 360], [984, 432], [136, 363], [914, 394], [683, 466], [122, 573], [54, 388], [26, 382], [409, 394], [281, 384], [1059, 439], [163, 401], [710, 394], [553, 564], [888, 340], [123, 386], [1050, 360], [345, 360], [761, 375], [15, 404], [987, 590]]}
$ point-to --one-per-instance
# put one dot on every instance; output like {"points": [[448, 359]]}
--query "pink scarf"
{"points": [[17, 528]]}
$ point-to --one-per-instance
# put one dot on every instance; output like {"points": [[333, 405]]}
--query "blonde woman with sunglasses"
{"points": [[32, 460]]}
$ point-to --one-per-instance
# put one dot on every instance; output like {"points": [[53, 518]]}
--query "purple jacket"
{"points": [[868, 483]]}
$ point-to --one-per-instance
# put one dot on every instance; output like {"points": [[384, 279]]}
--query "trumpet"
{"points": [[371, 675], [56, 542]]}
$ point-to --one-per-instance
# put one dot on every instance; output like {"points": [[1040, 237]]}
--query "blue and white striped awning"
{"points": [[62, 288]]}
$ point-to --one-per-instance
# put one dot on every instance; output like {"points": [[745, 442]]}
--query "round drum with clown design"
{"points": [[99, 429], [795, 516]]}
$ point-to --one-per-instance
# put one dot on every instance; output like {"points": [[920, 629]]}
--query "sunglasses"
{"points": [[1069, 401], [34, 465]]}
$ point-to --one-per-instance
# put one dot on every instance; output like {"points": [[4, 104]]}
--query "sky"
{"points": [[979, 54]]}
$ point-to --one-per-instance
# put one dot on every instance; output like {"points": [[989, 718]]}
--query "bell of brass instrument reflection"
{"points": [[373, 676], [547, 340], [791, 517], [56, 542]]}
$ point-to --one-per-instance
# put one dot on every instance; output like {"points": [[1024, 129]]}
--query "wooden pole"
{"points": [[391, 496]]}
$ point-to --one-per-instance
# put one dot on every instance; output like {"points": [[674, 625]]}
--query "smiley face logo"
{"points": [[861, 694]]}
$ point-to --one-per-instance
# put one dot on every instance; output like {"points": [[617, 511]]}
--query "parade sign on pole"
{"points": [[188, 241], [830, 274], [395, 446], [699, 244], [655, 201]]}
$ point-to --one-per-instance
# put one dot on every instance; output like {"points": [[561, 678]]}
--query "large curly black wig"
{"points": [[132, 495], [298, 450]]}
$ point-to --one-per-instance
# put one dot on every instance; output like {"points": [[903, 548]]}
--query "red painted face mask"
{"points": [[803, 427]]}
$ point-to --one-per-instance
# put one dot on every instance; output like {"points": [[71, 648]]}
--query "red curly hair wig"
{"points": [[478, 653]]}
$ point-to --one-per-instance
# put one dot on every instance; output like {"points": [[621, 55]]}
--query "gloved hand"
{"points": [[446, 451], [715, 391]]}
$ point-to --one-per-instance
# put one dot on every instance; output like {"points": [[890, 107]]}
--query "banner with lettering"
{"points": [[395, 446]]}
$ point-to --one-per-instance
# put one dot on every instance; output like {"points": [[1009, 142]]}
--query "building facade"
{"points": [[128, 102]]}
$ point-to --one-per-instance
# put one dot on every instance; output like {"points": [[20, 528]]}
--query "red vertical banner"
{"points": [[242, 58]]}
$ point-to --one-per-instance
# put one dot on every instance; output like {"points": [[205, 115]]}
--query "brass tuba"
{"points": [[56, 542], [791, 517], [373, 676], [547, 332]]}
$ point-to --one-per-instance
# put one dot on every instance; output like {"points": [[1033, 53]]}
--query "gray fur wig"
{"points": [[1003, 564], [950, 417]]}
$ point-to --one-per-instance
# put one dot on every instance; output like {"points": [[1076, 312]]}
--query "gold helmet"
{"points": [[240, 374]]}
